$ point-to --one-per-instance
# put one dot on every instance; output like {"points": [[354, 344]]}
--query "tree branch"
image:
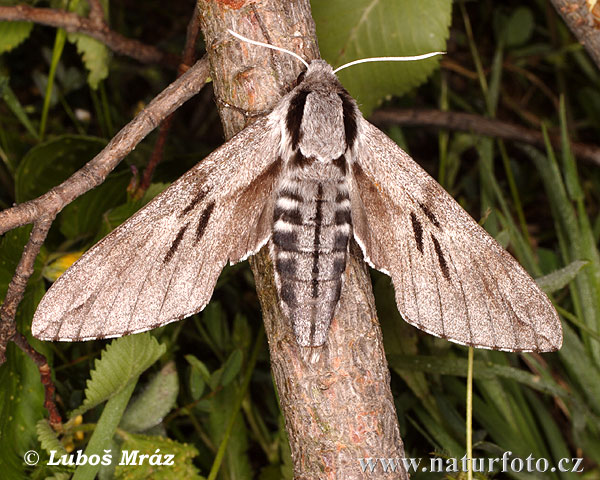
{"points": [[336, 399], [584, 24], [94, 172], [188, 57], [479, 125], [96, 12], [94, 26], [42, 210]]}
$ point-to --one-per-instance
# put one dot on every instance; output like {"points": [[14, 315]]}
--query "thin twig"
{"points": [[42, 210], [94, 172], [18, 283], [96, 12], [73, 23], [188, 57], [46, 376], [479, 125]]}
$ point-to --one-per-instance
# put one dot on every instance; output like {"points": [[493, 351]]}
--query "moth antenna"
{"points": [[272, 47], [389, 59]]}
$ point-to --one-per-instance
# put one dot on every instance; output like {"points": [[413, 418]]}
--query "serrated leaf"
{"points": [[12, 34], [353, 29], [150, 407], [95, 56], [560, 278], [123, 360], [49, 439], [148, 445]]}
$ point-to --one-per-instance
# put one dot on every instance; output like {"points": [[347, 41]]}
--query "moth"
{"points": [[307, 179]]}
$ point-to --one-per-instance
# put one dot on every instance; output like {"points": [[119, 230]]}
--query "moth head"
{"points": [[319, 77]]}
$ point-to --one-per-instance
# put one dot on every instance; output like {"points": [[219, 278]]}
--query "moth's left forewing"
{"points": [[451, 278], [162, 264]]}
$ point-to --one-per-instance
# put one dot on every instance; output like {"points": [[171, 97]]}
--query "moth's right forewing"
{"points": [[452, 279], [162, 264]]}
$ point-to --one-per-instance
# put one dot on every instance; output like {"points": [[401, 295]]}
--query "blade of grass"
{"points": [[15, 106], [238, 405], [104, 431], [469, 414], [59, 45]]}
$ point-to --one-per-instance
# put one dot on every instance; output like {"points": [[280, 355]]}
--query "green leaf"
{"points": [[12, 34], [13, 103], [123, 360], [232, 367], [101, 439], [86, 214], [48, 164], [354, 29], [150, 407], [482, 370], [48, 438], [148, 445], [199, 376], [95, 56], [560, 278], [21, 407], [519, 27], [198, 365]]}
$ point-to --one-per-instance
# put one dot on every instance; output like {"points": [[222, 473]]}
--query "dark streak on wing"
{"points": [[201, 195], [175, 244], [429, 214], [204, 218], [350, 121], [293, 120], [441, 259], [418, 229]]}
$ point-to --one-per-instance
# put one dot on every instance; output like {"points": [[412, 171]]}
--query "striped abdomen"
{"points": [[311, 228]]}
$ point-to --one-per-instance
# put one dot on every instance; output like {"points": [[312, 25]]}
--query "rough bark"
{"points": [[336, 399], [583, 22]]}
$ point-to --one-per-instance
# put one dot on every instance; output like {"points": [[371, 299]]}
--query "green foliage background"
{"points": [[202, 388]]}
